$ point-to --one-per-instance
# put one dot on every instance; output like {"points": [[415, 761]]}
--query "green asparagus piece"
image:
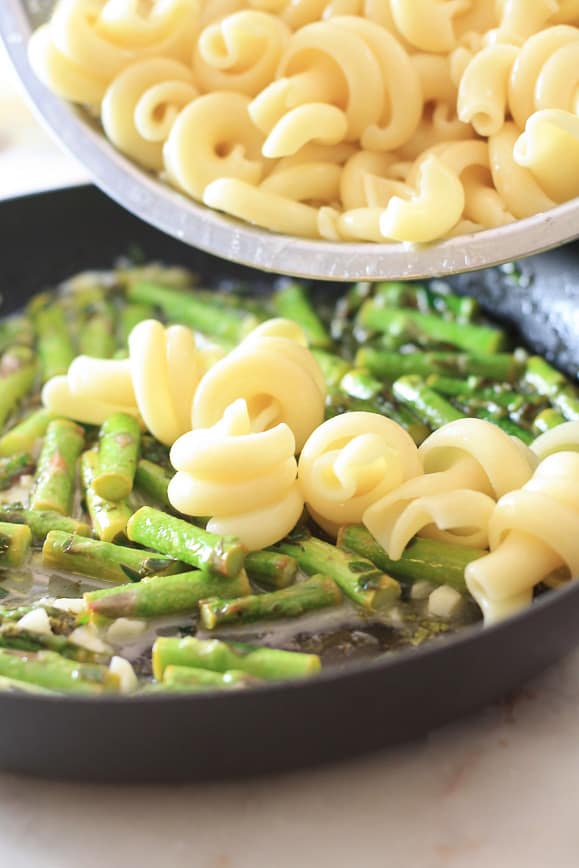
{"points": [[11, 469], [13, 636], [482, 340], [24, 436], [187, 679], [130, 316], [156, 596], [117, 457], [154, 451], [52, 672], [109, 519], [17, 374], [185, 307], [55, 473], [317, 592], [14, 331], [55, 349], [291, 301], [552, 384], [357, 577], [502, 367], [506, 425], [360, 384], [396, 412], [428, 405], [61, 622], [547, 419], [422, 560], [42, 522], [270, 664], [333, 367], [104, 560], [96, 332], [153, 480], [397, 294], [15, 542], [271, 570], [180, 539]]}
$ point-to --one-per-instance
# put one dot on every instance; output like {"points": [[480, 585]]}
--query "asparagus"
{"points": [[109, 520], [154, 451], [506, 425], [398, 413], [428, 405], [24, 436], [357, 577], [130, 315], [292, 302], [52, 672], [55, 349], [55, 473], [361, 384], [15, 542], [117, 457], [61, 621], [187, 679], [317, 592], [333, 367], [271, 570], [553, 385], [185, 307], [104, 560], [41, 522], [156, 596], [547, 419], [482, 340], [459, 308], [502, 367], [153, 480], [422, 560], [271, 664], [96, 333], [16, 331], [11, 469], [17, 374], [13, 636], [186, 542]]}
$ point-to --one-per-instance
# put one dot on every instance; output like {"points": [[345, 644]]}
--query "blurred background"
{"points": [[29, 158]]}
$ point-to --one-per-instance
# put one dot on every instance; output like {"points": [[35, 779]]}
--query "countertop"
{"points": [[499, 790]]}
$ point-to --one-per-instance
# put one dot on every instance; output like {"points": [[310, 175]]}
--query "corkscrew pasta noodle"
{"points": [[327, 118]]}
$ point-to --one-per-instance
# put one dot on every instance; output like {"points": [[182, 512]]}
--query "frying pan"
{"points": [[345, 711]]}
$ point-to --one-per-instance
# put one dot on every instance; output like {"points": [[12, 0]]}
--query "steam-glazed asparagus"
{"points": [[55, 474]]}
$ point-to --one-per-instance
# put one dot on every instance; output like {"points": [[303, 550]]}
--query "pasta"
{"points": [[350, 462], [464, 458], [244, 479], [329, 118], [532, 533]]}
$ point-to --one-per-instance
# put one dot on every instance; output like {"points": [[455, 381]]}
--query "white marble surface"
{"points": [[500, 790]]}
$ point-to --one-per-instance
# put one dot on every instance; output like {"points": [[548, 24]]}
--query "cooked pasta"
{"points": [[328, 118]]}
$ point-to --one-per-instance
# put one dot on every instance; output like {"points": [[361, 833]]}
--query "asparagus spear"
{"points": [[14, 544], [104, 560], [16, 331], [271, 570], [42, 522], [292, 302], [422, 560], [428, 405], [24, 436], [357, 577], [96, 332], [13, 636], [130, 315], [109, 520], [502, 367], [54, 481], [183, 306], [50, 671], [333, 367], [55, 349], [17, 374], [156, 596], [117, 457], [187, 679], [186, 542], [547, 419], [11, 469], [507, 425], [361, 384], [482, 340], [552, 384], [153, 480], [61, 622], [317, 592], [270, 664]]}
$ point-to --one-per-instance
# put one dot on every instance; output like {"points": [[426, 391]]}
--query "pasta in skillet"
{"points": [[324, 118]]}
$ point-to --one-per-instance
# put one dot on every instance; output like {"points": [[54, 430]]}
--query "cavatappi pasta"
{"points": [[346, 120]]}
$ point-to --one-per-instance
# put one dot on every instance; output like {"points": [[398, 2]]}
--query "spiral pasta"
{"points": [[532, 532], [350, 462], [464, 458], [245, 480], [278, 378]]}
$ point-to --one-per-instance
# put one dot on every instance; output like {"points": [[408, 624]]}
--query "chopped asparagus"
{"points": [[12, 468], [52, 672], [55, 474], [271, 570], [55, 349], [41, 522], [117, 457], [187, 679], [109, 519], [15, 542], [502, 367], [292, 302], [24, 436], [153, 480], [428, 405], [17, 374]]}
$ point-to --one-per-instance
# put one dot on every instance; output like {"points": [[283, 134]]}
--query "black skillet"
{"points": [[343, 712]]}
